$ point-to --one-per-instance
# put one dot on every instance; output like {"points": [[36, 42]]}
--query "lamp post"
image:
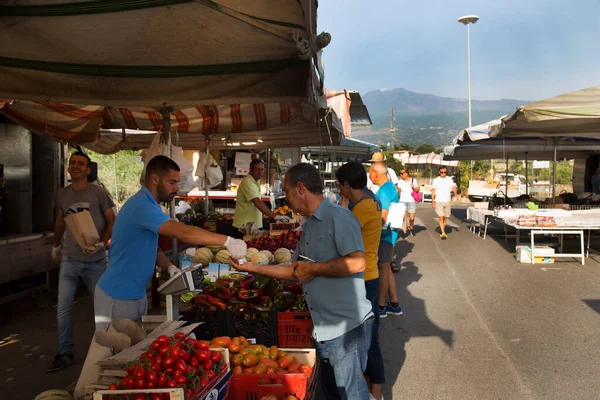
{"points": [[467, 20]]}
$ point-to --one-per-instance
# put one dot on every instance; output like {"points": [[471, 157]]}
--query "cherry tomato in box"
{"points": [[162, 381], [171, 383], [155, 345], [202, 345], [216, 356], [129, 382], [210, 374], [179, 336], [156, 396], [164, 351], [203, 355], [163, 340], [113, 387], [181, 380], [151, 376], [204, 381], [150, 385], [158, 359], [184, 355], [139, 396], [194, 362], [180, 364], [175, 351], [140, 384], [169, 362], [139, 373], [208, 364]]}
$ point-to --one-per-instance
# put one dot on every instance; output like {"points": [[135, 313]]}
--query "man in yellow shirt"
{"points": [[248, 205], [352, 181]]}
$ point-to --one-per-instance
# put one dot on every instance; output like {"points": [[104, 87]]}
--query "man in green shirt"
{"points": [[248, 205]]}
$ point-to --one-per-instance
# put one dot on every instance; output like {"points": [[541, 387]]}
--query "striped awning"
{"points": [[430, 158], [80, 124]]}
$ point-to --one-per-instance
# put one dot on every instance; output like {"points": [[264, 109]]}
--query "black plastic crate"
{"points": [[264, 330], [215, 323]]}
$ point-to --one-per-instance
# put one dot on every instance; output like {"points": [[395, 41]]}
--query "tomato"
{"points": [[156, 396], [166, 396], [150, 385], [158, 359], [140, 384], [146, 355], [161, 381], [305, 369], [180, 364], [271, 371], [151, 376], [113, 387], [163, 340], [169, 362], [216, 357], [129, 370], [181, 380], [235, 371], [208, 364], [139, 373], [129, 382], [179, 336], [164, 351], [139, 396], [203, 355], [191, 342], [202, 345], [210, 374], [234, 347], [194, 362], [204, 381], [184, 355], [155, 345], [171, 383], [190, 369], [155, 367], [175, 351], [169, 371], [178, 372], [188, 393]]}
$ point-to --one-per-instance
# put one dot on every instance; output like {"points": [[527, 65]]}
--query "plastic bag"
{"points": [[186, 183], [206, 163]]}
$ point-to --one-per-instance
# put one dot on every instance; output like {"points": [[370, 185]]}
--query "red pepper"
{"points": [[247, 283], [247, 294], [295, 288], [216, 302]]}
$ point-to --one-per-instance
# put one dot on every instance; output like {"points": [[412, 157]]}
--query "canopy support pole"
{"points": [[554, 174], [166, 134], [206, 197], [526, 174]]}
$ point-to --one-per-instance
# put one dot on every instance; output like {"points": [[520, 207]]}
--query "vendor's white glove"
{"points": [[93, 249], [282, 218], [56, 252], [173, 270], [236, 247]]}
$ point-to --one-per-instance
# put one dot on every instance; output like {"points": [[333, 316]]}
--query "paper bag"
{"points": [[395, 218], [83, 228]]}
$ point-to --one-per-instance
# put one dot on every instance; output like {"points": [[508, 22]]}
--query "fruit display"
{"points": [[260, 258], [268, 254], [222, 256], [250, 251], [172, 362], [203, 256], [282, 210], [288, 240], [282, 256]]}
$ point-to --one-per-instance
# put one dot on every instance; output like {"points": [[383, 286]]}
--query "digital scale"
{"points": [[188, 280]]}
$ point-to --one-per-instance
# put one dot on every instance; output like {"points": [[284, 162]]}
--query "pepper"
{"points": [[224, 283], [199, 297], [247, 283], [221, 293], [236, 305], [295, 288], [283, 300], [273, 287], [250, 316], [247, 294], [261, 281], [216, 302], [204, 305], [263, 301]]}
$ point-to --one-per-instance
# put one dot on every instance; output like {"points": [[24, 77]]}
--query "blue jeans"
{"points": [[70, 272], [342, 363], [375, 367]]}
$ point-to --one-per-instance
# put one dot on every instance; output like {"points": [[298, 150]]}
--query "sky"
{"points": [[520, 49]]}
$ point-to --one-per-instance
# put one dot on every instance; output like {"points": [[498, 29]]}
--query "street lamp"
{"points": [[466, 20]]}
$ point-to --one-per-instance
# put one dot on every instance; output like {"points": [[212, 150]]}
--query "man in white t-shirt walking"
{"points": [[441, 188]]}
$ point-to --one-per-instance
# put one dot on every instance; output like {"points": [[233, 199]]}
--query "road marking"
{"points": [[546, 269]]}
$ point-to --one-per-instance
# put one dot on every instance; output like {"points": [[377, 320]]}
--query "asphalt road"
{"points": [[479, 325], [476, 325]]}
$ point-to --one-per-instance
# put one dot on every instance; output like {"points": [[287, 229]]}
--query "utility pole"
{"points": [[392, 128]]}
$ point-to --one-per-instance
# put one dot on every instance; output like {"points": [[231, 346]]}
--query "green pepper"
{"points": [[261, 281], [283, 300], [236, 305], [273, 287]]}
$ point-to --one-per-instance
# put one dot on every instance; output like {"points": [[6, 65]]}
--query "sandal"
{"points": [[394, 268]]}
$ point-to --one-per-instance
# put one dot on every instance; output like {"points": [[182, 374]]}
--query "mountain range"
{"points": [[425, 118]]}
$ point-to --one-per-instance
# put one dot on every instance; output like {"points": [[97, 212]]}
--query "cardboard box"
{"points": [[524, 255]]}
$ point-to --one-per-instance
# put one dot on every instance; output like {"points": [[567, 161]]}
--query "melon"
{"points": [[215, 249], [282, 256], [222, 257], [203, 256], [54, 394], [250, 252], [268, 254], [260, 259]]}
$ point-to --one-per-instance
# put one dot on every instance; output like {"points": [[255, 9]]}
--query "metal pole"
{"points": [[206, 197], [469, 69], [554, 175], [526, 175], [166, 133]]}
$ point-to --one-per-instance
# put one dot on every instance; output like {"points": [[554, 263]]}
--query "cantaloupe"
{"points": [[54, 394], [268, 254], [282, 255], [215, 249], [250, 252], [222, 257], [260, 259], [203, 256]]}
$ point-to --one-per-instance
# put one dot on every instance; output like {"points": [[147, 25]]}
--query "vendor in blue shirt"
{"points": [[333, 283], [134, 253]]}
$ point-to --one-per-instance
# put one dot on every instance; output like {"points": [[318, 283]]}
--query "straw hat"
{"points": [[378, 156]]}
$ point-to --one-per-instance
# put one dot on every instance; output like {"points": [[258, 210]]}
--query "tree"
{"points": [[425, 148]]}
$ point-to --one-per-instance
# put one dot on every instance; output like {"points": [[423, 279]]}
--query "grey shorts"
{"points": [[442, 209], [107, 309], [385, 252], [411, 206]]}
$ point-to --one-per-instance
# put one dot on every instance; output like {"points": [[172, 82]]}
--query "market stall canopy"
{"points": [[430, 158], [133, 53], [543, 150]]}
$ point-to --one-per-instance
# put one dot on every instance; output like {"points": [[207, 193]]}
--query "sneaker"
{"points": [[444, 236], [60, 361], [412, 232], [383, 312], [392, 310]]}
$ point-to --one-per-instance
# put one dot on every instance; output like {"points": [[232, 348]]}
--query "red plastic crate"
{"points": [[253, 387], [294, 329]]}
